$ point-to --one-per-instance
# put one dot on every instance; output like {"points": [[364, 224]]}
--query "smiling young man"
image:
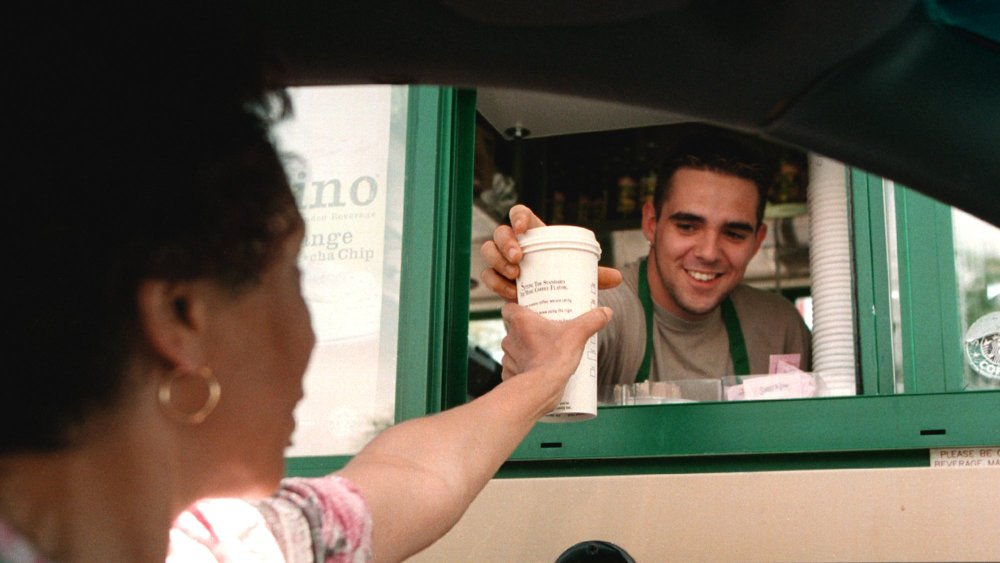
{"points": [[703, 227], [686, 298]]}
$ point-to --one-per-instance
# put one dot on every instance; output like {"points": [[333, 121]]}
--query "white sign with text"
{"points": [[337, 155]]}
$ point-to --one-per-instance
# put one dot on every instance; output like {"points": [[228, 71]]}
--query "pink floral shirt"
{"points": [[15, 549], [308, 520]]}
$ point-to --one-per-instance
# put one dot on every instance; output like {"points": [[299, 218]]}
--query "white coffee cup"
{"points": [[559, 281]]}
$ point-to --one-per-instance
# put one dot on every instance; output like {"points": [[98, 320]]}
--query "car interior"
{"points": [[903, 88]]}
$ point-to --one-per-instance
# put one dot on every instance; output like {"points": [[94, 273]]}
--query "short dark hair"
{"points": [[718, 151], [143, 153]]}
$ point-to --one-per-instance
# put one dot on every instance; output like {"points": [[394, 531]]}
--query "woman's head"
{"points": [[144, 153]]}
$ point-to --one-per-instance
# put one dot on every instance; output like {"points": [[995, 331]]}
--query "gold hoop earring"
{"points": [[214, 392]]}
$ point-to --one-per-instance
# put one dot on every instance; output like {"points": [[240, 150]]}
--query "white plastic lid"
{"points": [[559, 236]]}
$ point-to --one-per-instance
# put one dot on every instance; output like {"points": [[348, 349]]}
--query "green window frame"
{"points": [[932, 335], [930, 326]]}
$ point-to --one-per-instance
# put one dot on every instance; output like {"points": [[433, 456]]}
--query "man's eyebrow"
{"points": [[739, 226], [686, 217]]}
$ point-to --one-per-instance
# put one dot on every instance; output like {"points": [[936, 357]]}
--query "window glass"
{"points": [[977, 269], [345, 152], [487, 335], [485, 354], [895, 309], [600, 180], [928, 249]]}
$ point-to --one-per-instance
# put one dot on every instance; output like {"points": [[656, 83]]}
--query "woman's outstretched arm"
{"points": [[420, 476]]}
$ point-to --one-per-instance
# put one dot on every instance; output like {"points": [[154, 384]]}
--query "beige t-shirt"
{"points": [[695, 349]]}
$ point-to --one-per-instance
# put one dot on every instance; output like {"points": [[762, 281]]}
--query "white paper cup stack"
{"points": [[832, 288]]}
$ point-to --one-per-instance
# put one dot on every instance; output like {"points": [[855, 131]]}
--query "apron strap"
{"points": [[647, 307], [737, 346]]}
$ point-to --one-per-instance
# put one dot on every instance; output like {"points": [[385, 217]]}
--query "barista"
{"points": [[682, 312]]}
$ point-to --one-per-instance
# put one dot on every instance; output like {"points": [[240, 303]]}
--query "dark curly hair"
{"points": [[721, 151], [143, 152]]}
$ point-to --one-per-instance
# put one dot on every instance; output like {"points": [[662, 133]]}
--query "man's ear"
{"points": [[649, 221], [760, 235], [173, 318]]}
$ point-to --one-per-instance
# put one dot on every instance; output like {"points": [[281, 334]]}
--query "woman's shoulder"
{"points": [[321, 519], [15, 548], [338, 514]]}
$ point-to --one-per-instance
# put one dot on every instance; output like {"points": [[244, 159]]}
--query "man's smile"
{"points": [[702, 276]]}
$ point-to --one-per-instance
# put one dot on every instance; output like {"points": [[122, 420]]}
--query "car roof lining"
{"points": [[876, 84]]}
